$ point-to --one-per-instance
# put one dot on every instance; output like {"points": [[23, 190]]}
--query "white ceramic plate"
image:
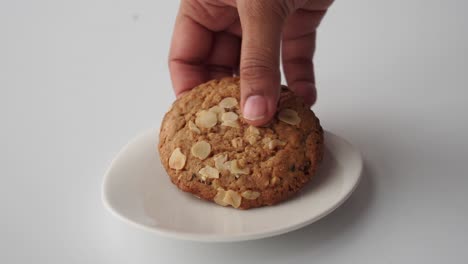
{"points": [[137, 189]]}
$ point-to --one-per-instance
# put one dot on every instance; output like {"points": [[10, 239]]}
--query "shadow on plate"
{"points": [[331, 227], [329, 167], [313, 237]]}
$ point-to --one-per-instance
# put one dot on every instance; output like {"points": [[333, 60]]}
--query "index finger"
{"points": [[190, 47]]}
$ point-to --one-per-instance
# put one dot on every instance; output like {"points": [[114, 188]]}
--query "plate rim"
{"points": [[187, 236]]}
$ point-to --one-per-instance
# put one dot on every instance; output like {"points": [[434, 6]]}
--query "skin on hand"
{"points": [[219, 38]]}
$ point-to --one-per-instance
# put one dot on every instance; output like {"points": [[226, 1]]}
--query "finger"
{"points": [[317, 4], [262, 23], [298, 67], [302, 22], [224, 57], [191, 45], [297, 53]]}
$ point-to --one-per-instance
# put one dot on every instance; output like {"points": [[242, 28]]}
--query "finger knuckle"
{"points": [[255, 68], [299, 61], [254, 72], [256, 8]]}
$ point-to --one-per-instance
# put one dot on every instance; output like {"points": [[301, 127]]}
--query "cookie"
{"points": [[209, 150]]}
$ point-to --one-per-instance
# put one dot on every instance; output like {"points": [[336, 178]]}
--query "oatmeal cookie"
{"points": [[209, 150]]}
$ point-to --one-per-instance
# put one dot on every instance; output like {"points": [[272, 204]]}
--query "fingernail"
{"points": [[255, 107]]}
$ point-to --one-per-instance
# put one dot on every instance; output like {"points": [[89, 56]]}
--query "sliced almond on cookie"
{"points": [[232, 198], [250, 195], [219, 197], [206, 119], [215, 184], [252, 135], [266, 141], [228, 102], [237, 142], [220, 161], [272, 143], [276, 143], [192, 127], [209, 172], [201, 149], [274, 180], [177, 160], [235, 169], [251, 139], [218, 110], [234, 124], [229, 116], [289, 116], [251, 130]]}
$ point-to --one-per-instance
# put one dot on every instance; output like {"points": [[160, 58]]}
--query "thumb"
{"points": [[262, 23]]}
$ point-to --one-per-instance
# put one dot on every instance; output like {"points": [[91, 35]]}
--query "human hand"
{"points": [[207, 44]]}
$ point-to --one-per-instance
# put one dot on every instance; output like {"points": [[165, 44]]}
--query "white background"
{"points": [[78, 79]]}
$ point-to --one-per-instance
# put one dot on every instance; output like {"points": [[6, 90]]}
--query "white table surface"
{"points": [[78, 79]]}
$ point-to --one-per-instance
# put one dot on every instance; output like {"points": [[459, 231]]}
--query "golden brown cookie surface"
{"points": [[210, 151]]}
